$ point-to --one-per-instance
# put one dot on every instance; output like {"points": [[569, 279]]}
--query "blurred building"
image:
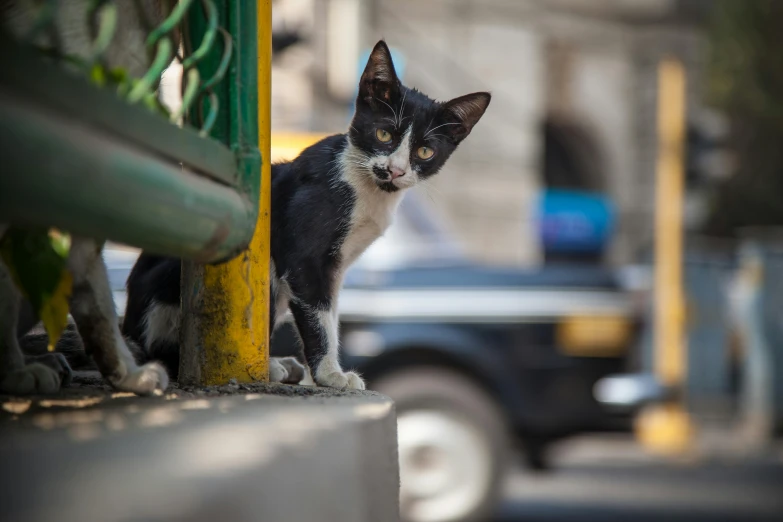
{"points": [[574, 99]]}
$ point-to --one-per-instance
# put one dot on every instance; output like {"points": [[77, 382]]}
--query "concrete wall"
{"points": [[606, 84]]}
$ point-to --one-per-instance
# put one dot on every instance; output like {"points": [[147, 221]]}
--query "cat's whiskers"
{"points": [[426, 189], [365, 161], [402, 107], [438, 127], [429, 185], [365, 166], [335, 182], [394, 113]]}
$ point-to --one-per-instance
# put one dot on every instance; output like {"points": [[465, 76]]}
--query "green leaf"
{"points": [[60, 242], [98, 75], [37, 261], [119, 76], [54, 309]]}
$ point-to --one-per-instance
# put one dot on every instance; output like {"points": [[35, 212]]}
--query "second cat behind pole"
{"points": [[328, 206]]}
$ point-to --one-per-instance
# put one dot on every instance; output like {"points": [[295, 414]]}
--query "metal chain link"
{"points": [[103, 21], [103, 25]]}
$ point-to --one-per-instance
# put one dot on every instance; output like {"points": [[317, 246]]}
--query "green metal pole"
{"points": [[55, 173]]}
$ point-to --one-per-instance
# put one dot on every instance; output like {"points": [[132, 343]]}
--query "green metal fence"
{"points": [[87, 150]]}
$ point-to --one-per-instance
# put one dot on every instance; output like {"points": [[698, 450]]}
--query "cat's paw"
{"points": [[342, 380], [286, 370], [33, 378], [149, 379], [308, 378], [57, 362]]}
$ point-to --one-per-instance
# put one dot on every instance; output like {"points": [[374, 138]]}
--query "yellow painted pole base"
{"points": [[226, 312], [665, 429]]}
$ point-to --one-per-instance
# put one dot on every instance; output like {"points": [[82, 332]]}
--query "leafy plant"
{"points": [[38, 263]]}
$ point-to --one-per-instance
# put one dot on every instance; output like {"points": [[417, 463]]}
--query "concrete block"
{"points": [[238, 452]]}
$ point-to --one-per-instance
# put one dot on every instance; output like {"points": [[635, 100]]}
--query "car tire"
{"points": [[453, 445]]}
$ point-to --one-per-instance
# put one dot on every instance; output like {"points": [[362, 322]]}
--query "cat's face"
{"points": [[402, 136]]}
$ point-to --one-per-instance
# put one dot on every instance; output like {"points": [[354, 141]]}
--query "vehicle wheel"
{"points": [[453, 445]]}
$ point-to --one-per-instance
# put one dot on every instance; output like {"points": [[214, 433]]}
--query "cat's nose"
{"points": [[396, 172]]}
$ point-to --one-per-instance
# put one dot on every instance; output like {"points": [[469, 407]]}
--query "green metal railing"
{"points": [[87, 150]]}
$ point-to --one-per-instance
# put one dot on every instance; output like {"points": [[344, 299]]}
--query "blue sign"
{"points": [[574, 222]]}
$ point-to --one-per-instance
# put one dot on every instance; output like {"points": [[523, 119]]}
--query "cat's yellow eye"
{"points": [[383, 136], [425, 153]]}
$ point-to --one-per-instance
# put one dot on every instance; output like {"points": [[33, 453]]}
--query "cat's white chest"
{"points": [[372, 214]]}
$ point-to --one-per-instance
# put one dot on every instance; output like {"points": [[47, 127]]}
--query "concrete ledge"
{"points": [[234, 453]]}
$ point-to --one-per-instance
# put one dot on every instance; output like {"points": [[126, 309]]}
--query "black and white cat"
{"points": [[328, 206]]}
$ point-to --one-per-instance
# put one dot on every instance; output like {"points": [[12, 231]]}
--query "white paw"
{"points": [[341, 380], [149, 379], [33, 378], [308, 378], [277, 372], [285, 369]]}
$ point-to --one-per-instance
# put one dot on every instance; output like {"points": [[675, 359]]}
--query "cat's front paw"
{"points": [[342, 380], [149, 379], [33, 378], [286, 370], [57, 362]]}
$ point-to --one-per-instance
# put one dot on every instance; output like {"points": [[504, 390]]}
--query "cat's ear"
{"points": [[464, 112], [379, 80]]}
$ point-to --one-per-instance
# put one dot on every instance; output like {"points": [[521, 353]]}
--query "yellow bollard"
{"points": [[667, 428]]}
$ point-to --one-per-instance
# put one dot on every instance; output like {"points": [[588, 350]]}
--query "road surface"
{"points": [[611, 480]]}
